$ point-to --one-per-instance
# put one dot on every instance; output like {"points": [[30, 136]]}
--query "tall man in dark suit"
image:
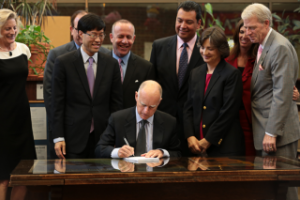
{"points": [[275, 118], [133, 69], [143, 126], [86, 88], [173, 58], [53, 54]]}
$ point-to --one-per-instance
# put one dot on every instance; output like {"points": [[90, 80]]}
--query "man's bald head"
{"points": [[148, 98]]}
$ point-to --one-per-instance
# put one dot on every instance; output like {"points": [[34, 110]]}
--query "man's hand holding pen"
{"points": [[125, 151]]}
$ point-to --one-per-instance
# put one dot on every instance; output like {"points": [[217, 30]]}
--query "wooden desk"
{"points": [[181, 178]]}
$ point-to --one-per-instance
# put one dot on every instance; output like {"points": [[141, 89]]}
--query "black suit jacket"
{"points": [[163, 58], [138, 70], [72, 104], [219, 108], [123, 124], [53, 54]]}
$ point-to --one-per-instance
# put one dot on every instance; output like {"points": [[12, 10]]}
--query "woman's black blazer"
{"points": [[219, 108]]}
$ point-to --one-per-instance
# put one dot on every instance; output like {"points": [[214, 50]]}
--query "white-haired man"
{"points": [[274, 114], [150, 133]]}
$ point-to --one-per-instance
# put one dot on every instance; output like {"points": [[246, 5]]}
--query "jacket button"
{"points": [[204, 107], [203, 125]]}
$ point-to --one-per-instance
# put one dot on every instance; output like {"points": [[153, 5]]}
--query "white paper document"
{"points": [[139, 159], [39, 91], [39, 123], [41, 152]]}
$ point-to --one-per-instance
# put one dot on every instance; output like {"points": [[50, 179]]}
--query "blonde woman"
{"points": [[16, 137]]}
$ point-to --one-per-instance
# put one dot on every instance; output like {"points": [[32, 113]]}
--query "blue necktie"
{"points": [[183, 63]]}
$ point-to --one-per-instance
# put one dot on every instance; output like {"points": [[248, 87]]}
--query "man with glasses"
{"points": [[133, 69], [86, 89], [53, 54]]}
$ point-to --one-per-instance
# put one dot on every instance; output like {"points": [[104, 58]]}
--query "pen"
{"points": [[127, 143]]}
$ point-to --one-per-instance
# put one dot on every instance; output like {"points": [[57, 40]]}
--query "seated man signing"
{"points": [[149, 132]]}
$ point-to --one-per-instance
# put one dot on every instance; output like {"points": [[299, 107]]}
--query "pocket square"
{"points": [[261, 68], [136, 81]]}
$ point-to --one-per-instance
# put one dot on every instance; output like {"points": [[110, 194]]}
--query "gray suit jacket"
{"points": [[53, 54], [273, 109]]}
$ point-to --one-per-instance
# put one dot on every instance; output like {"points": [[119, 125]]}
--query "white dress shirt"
{"points": [[149, 136]]}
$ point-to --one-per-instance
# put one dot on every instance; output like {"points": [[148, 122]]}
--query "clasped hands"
{"points": [[126, 151], [198, 146]]}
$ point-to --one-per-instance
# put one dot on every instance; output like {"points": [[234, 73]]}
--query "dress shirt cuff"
{"points": [[115, 153], [269, 134], [115, 163], [165, 152], [59, 139]]}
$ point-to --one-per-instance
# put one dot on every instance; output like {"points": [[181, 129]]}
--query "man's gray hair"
{"points": [[122, 21], [262, 13]]}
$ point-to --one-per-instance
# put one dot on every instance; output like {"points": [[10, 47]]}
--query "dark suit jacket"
{"points": [[123, 124], [138, 70], [72, 104], [53, 54], [219, 108], [163, 58]]}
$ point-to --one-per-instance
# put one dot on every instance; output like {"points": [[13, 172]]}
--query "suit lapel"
{"points": [[201, 85], [157, 131], [215, 76], [101, 66], [130, 128], [172, 49], [79, 66], [261, 59], [130, 70]]}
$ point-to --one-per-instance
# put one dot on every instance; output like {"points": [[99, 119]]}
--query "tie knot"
{"points": [[120, 61], [260, 49], [144, 122], [91, 60], [185, 45]]}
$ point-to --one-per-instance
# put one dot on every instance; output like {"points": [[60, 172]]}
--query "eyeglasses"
{"points": [[94, 36]]}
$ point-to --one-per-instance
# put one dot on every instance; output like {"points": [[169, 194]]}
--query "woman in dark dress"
{"points": [[211, 112], [242, 57], [16, 137]]}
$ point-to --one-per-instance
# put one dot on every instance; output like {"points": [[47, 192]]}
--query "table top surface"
{"points": [[183, 169], [183, 164]]}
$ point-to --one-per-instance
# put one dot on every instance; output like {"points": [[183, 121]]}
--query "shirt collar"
{"points": [[124, 59], [76, 45], [190, 43], [138, 118], [86, 57], [266, 38]]}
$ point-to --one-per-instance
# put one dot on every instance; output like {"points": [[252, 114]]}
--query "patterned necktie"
{"points": [[141, 141], [183, 63], [121, 70], [91, 80], [260, 49]]}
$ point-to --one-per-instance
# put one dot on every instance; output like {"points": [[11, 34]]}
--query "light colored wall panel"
{"points": [[58, 30]]}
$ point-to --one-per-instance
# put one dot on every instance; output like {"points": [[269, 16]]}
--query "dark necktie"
{"points": [[141, 141], [183, 63]]}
